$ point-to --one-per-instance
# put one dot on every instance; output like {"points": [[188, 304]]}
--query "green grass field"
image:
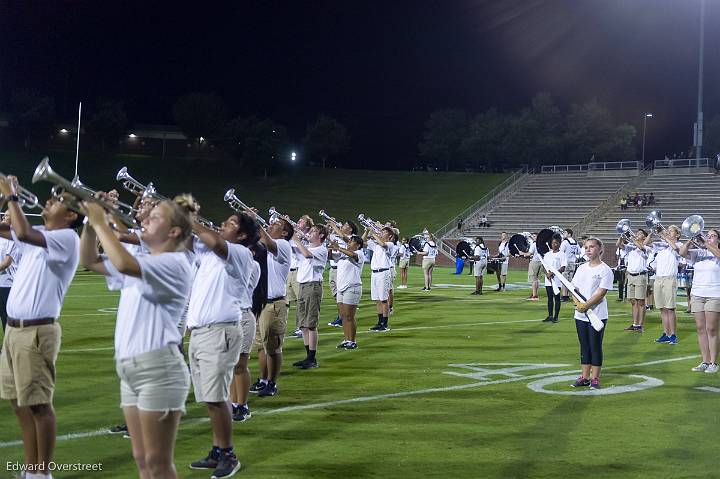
{"points": [[399, 406]]}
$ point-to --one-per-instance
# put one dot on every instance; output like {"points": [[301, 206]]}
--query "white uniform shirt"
{"points": [[311, 269], [150, 306], [706, 281], [557, 261], [350, 271], [570, 248], [219, 285], [504, 248], [278, 266], [394, 253], [431, 249], [666, 259], [43, 274], [404, 251], [381, 256], [8, 248], [481, 252], [335, 256], [636, 259], [587, 280], [253, 280], [534, 252]]}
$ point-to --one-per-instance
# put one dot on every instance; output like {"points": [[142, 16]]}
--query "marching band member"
{"points": [[705, 299], [311, 263], [504, 254], [571, 249], [154, 379], [621, 256], [349, 284], [293, 287], [381, 245], [9, 259], [222, 281], [394, 252], [534, 269], [637, 277], [558, 260], [32, 338], [404, 254], [429, 252], [341, 236], [592, 279], [665, 288], [480, 256]]}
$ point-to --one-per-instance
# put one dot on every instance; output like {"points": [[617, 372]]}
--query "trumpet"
{"points": [[275, 214], [237, 205], [369, 223], [207, 224], [692, 227], [26, 199], [79, 184], [558, 229], [653, 221], [135, 187], [329, 218], [44, 172], [624, 230]]}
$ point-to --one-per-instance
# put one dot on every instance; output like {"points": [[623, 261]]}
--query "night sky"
{"points": [[380, 67]]}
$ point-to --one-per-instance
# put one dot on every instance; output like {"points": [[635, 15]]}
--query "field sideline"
{"points": [[461, 385]]}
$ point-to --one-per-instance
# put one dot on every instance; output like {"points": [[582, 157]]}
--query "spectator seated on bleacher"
{"points": [[484, 223], [623, 203], [651, 199]]}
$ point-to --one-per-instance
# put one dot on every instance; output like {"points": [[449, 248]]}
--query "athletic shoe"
{"points": [[307, 364], [632, 327], [337, 323], [673, 339], [342, 345], [700, 367], [548, 319], [227, 466], [533, 298], [209, 462], [269, 390], [298, 363], [402, 286], [391, 312], [499, 288], [555, 320], [119, 429], [663, 339], [380, 328], [351, 345], [297, 333], [712, 368], [241, 414], [595, 383], [580, 382], [257, 386]]}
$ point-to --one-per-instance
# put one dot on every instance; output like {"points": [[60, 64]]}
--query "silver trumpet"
{"points": [[237, 205], [44, 172], [79, 184], [653, 221], [26, 198], [329, 218], [624, 230], [275, 214], [135, 187], [692, 227], [369, 224]]}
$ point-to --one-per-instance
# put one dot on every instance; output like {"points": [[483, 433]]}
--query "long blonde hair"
{"points": [[182, 207]]}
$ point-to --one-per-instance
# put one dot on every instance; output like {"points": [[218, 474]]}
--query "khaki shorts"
{"points": [[404, 263], [504, 267], [247, 326], [271, 327], [351, 295], [27, 364], [700, 304], [569, 271], [154, 381], [428, 263], [214, 351], [535, 269], [308, 304], [332, 280], [380, 286], [665, 292], [636, 286], [292, 287], [479, 268]]}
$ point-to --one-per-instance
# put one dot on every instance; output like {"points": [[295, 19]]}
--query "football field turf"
{"points": [[462, 386]]}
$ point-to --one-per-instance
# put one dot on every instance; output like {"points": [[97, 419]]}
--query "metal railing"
{"points": [[486, 201], [683, 163], [614, 165], [562, 168]]}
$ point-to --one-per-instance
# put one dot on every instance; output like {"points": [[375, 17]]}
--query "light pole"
{"points": [[701, 55], [647, 115]]}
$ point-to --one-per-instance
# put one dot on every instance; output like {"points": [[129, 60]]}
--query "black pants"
{"points": [[590, 342], [622, 285], [4, 293], [553, 302]]}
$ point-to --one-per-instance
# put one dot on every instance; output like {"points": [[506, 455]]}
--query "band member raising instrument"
{"points": [[311, 264], [592, 279], [154, 289], [504, 254], [340, 235], [221, 283], [32, 338], [705, 298], [571, 249], [293, 287], [429, 252], [349, 285], [558, 260], [480, 256], [534, 268], [9, 259], [637, 277], [381, 245], [404, 253]]}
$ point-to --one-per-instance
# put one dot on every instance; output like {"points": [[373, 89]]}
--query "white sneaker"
{"points": [[701, 368], [712, 368]]}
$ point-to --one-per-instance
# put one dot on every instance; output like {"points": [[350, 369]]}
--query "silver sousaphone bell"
{"points": [[692, 227]]}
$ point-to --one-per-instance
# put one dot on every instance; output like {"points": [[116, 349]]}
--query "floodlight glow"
{"points": [[648, 115], [132, 135], [64, 131]]}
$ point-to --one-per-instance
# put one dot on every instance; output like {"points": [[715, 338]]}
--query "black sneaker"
{"points": [[548, 319], [351, 345], [257, 386], [241, 414], [227, 466], [555, 320], [342, 345], [298, 363], [377, 327], [119, 429], [307, 364], [210, 462], [270, 390]]}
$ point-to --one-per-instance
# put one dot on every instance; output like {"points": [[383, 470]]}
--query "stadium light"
{"points": [[293, 156], [64, 131], [132, 135], [647, 115]]}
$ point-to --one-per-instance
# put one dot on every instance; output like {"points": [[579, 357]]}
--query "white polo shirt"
{"points": [[430, 249], [503, 248], [8, 248], [570, 248], [43, 274], [219, 285], [150, 306], [636, 259], [589, 279], [666, 259], [381, 256], [311, 269], [278, 266], [350, 271], [481, 252], [535, 255], [404, 251], [253, 280], [557, 261], [706, 281]]}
